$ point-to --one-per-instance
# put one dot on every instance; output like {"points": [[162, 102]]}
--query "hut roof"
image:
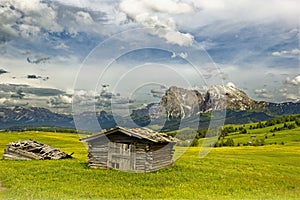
{"points": [[141, 133]]}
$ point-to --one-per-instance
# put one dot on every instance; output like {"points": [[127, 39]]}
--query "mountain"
{"points": [[33, 116], [16, 117], [286, 108], [184, 103], [190, 107], [177, 106], [180, 102]]}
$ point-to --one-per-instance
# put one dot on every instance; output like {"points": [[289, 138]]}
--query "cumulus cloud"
{"points": [[7, 102], [156, 14], [27, 18], [61, 46], [292, 97], [230, 84], [61, 101], [294, 81], [285, 53], [158, 92], [183, 55], [83, 17], [263, 93], [30, 19], [83, 98], [283, 91], [271, 11]]}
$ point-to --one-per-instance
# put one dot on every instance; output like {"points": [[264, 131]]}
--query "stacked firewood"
{"points": [[33, 150]]}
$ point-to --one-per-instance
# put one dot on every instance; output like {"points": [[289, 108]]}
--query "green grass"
{"points": [[288, 137], [265, 172]]}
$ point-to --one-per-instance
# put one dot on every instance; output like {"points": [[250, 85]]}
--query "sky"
{"points": [[129, 50]]}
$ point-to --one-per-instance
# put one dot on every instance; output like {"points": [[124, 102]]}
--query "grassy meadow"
{"points": [[266, 134], [243, 172]]}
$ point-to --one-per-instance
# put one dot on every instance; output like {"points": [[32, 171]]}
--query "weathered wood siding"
{"points": [[161, 155], [19, 154], [129, 154], [140, 157], [97, 154], [120, 156]]}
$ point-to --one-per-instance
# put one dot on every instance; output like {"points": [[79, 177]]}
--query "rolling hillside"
{"points": [[280, 130], [240, 172]]}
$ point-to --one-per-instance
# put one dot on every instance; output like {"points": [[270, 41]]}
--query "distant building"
{"points": [[136, 149]]}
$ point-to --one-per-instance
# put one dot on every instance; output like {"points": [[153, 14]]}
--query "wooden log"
{"points": [[97, 166], [25, 154]]}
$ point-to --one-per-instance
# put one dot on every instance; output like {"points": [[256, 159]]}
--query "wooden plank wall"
{"points": [[97, 154], [140, 157], [162, 156]]}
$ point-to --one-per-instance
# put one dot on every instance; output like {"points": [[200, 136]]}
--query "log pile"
{"points": [[33, 150]]}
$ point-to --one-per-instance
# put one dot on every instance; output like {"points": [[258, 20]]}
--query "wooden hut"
{"points": [[135, 149]]}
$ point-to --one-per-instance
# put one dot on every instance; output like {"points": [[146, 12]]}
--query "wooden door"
{"points": [[121, 156]]}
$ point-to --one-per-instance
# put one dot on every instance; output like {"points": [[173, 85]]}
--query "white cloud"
{"points": [[3, 100], [12, 102], [61, 46], [277, 11], [295, 81], [292, 97], [27, 31], [183, 55], [295, 51], [60, 101], [283, 90], [230, 84], [285, 53], [26, 18], [84, 17], [157, 14], [276, 53], [30, 19], [263, 93]]}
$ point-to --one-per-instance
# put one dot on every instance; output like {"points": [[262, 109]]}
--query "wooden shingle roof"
{"points": [[141, 133]]}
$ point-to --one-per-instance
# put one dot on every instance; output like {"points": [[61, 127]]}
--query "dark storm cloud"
{"points": [[2, 71], [37, 59], [13, 88], [32, 76], [18, 95]]}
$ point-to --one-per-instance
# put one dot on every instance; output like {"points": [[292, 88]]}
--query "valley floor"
{"points": [[245, 172]]}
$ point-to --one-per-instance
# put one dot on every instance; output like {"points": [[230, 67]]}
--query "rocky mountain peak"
{"points": [[180, 102]]}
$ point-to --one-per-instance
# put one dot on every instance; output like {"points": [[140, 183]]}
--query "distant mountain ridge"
{"points": [[177, 103], [190, 105], [33, 116]]}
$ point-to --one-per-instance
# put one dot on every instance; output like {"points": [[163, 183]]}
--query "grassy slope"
{"points": [[267, 172], [289, 137]]}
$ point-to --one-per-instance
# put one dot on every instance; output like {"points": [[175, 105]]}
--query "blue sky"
{"points": [[253, 44]]}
